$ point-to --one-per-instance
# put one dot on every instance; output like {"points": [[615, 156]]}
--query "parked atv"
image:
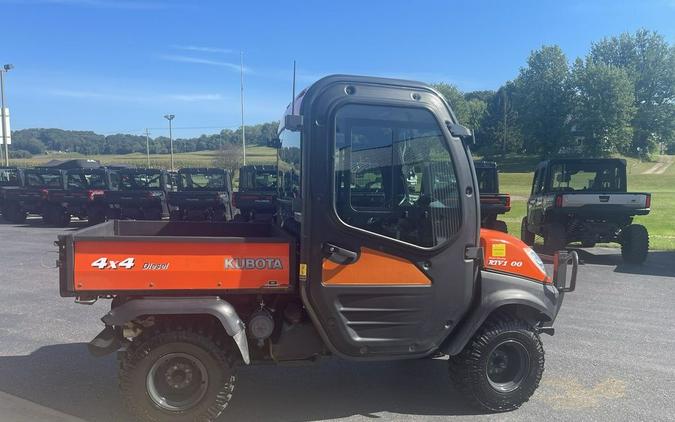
{"points": [[83, 197], [587, 201], [10, 178], [257, 193], [413, 277], [140, 194], [32, 196], [202, 194], [492, 203]]}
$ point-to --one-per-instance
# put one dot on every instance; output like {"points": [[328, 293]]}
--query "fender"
{"points": [[497, 290], [209, 305]]}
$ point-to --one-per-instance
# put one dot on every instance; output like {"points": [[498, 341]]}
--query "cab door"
{"points": [[390, 208]]}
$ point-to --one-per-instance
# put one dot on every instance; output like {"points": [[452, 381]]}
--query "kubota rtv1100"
{"points": [[362, 262]]}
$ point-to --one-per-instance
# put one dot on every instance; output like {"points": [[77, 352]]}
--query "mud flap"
{"points": [[104, 343]]}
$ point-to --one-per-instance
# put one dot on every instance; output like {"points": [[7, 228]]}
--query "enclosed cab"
{"points": [[586, 201], [10, 178], [257, 192], [139, 194], [83, 197], [366, 265], [201, 194], [32, 196], [492, 203]]}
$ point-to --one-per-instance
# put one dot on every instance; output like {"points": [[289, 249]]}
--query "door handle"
{"points": [[339, 255]]}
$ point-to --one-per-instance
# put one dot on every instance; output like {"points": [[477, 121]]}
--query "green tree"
{"points": [[500, 129], [542, 100], [455, 98], [649, 62], [603, 107]]}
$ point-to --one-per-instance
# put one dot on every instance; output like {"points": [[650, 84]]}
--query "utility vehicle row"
{"points": [[89, 191]]}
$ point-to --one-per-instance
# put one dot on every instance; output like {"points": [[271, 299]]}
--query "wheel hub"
{"points": [[507, 366], [177, 382]]}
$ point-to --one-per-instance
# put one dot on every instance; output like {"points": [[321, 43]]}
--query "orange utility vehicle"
{"points": [[362, 262]]}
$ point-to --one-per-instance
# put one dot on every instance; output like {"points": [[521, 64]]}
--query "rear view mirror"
{"points": [[462, 132], [293, 122]]}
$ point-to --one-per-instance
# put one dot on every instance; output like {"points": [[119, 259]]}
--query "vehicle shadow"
{"points": [[66, 378], [658, 263]]}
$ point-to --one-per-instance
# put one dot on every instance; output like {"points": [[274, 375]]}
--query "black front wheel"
{"points": [[502, 365], [177, 375]]}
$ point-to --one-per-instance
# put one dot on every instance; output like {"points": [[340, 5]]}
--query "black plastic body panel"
{"points": [[497, 290]]}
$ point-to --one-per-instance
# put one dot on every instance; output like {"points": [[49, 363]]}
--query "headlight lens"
{"points": [[535, 258]]}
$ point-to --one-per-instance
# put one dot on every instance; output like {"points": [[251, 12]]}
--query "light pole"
{"points": [[6, 68], [170, 117], [147, 146]]}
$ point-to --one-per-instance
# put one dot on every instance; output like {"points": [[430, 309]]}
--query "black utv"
{"points": [[83, 197], [140, 195], [492, 203], [32, 196], [10, 178], [586, 201], [202, 194], [257, 193]]}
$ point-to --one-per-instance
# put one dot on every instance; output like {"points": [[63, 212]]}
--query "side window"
{"points": [[538, 184], [394, 176]]}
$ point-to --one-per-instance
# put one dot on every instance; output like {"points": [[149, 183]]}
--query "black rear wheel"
{"points": [[177, 376], [555, 238], [502, 365], [96, 215], [634, 244], [525, 234]]}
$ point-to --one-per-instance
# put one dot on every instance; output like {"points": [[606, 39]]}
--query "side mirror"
{"points": [[461, 132], [293, 122], [274, 143]]}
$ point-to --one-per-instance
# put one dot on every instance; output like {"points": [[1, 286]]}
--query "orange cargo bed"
{"points": [[168, 257]]}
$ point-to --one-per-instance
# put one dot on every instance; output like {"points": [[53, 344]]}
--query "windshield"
{"points": [[86, 181], [9, 177], [587, 177], [259, 179], [487, 180], [202, 181], [44, 180], [140, 181]]}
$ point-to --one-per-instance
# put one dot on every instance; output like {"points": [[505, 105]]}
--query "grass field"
{"points": [[516, 179], [254, 155]]}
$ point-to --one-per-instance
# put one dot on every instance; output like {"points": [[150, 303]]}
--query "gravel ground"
{"points": [[611, 357]]}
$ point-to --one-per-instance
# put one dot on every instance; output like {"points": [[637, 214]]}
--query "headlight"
{"points": [[535, 259]]}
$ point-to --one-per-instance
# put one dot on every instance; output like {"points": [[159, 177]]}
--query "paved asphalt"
{"points": [[612, 358]]}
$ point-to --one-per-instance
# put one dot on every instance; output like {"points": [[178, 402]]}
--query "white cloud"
{"points": [[94, 95], [199, 60], [202, 49]]}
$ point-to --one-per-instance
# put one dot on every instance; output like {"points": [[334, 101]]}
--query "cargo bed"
{"points": [[141, 257]]}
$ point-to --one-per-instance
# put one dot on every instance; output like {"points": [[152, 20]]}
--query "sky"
{"points": [[118, 66]]}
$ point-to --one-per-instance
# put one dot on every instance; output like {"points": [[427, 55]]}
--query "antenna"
{"points": [[293, 99], [243, 128]]}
